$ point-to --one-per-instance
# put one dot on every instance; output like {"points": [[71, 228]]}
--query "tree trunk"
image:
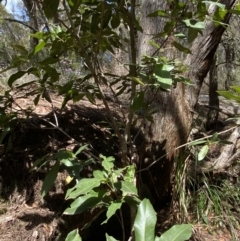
{"points": [[213, 113], [229, 55], [173, 120], [31, 10]]}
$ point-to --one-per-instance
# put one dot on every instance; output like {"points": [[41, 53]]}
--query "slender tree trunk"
{"points": [[173, 120], [229, 55], [212, 115], [31, 9]]}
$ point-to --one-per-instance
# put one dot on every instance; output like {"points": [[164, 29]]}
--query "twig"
{"points": [[72, 139]]}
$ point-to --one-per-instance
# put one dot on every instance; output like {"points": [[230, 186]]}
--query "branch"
{"points": [[20, 22]]}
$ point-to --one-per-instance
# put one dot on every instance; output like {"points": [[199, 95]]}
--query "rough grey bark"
{"points": [[229, 55], [173, 120], [213, 112]]}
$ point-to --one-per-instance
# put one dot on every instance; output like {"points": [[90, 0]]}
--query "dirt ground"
{"points": [[24, 214]]}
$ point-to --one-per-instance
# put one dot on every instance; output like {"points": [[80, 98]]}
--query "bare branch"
{"points": [[20, 22]]}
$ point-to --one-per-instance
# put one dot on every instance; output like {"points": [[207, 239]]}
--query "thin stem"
{"points": [[186, 144], [71, 138], [122, 225], [123, 145]]}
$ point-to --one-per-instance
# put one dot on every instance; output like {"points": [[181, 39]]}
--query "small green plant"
{"points": [[108, 189], [144, 227], [68, 160]]}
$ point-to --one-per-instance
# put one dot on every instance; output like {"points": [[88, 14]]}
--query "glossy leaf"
{"points": [[180, 232], [83, 203], [50, 179], [84, 186], [73, 236], [144, 224]]}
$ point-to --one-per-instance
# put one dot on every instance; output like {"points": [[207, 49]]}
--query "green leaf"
{"points": [[107, 162], [114, 206], [49, 60], [63, 154], [192, 23], [137, 80], [181, 47], [50, 7], [128, 188], [110, 238], [15, 76], [93, 219], [106, 18], [192, 34], [64, 89], [144, 224], [40, 46], [180, 232], [67, 162], [115, 21], [203, 152], [80, 149], [154, 44], [157, 13], [162, 73], [83, 203], [132, 201], [214, 137], [73, 236], [84, 186], [197, 142], [50, 179], [138, 102], [36, 99], [236, 88], [220, 5], [99, 175], [228, 95], [130, 173], [37, 35], [21, 49]]}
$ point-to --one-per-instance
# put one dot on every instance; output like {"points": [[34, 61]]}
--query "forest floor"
{"points": [[24, 214]]}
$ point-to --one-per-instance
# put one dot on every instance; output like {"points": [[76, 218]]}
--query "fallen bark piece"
{"points": [[225, 159]]}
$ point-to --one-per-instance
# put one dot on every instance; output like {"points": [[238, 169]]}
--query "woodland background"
{"points": [[123, 112]]}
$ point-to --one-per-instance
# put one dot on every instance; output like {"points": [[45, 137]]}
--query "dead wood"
{"points": [[222, 161]]}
